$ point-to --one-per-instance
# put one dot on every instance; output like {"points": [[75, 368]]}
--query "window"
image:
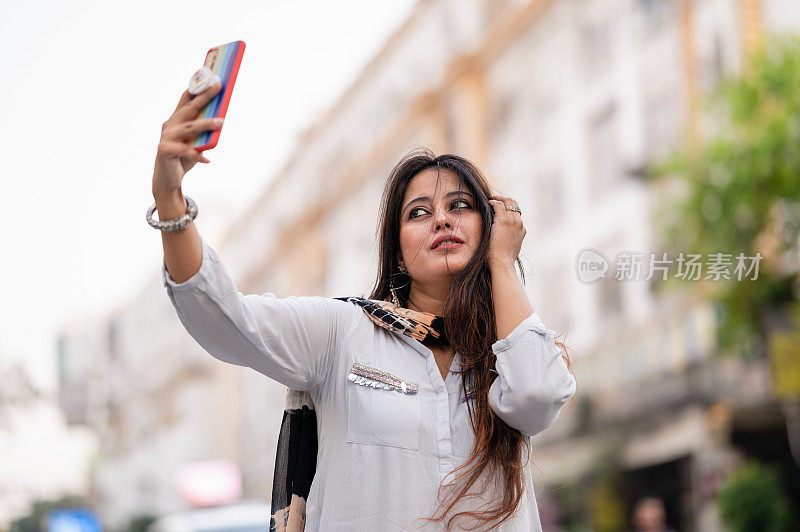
{"points": [[113, 340], [594, 36], [549, 198], [61, 353], [501, 109], [713, 66], [656, 13], [610, 297], [604, 157], [553, 305], [662, 115]]}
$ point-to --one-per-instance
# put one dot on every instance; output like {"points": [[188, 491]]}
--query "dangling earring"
{"points": [[393, 289]]}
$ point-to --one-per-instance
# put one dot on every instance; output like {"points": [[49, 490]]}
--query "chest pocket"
{"points": [[379, 411]]}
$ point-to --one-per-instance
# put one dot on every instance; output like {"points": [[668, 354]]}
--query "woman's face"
{"points": [[431, 210]]}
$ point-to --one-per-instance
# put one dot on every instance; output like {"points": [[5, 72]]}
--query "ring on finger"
{"points": [[514, 208]]}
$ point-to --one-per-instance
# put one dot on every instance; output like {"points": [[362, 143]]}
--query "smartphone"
{"points": [[223, 61]]}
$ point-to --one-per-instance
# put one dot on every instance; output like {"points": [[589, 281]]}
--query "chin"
{"points": [[442, 267], [453, 269]]}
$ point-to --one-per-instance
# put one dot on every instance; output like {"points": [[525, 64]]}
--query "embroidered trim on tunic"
{"points": [[367, 376]]}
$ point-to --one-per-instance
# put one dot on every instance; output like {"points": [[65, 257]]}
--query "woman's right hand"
{"points": [[175, 154]]}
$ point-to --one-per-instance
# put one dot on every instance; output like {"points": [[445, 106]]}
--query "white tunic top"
{"points": [[382, 453]]}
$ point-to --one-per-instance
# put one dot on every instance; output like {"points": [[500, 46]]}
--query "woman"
{"points": [[424, 428]]}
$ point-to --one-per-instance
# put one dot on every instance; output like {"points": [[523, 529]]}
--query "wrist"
{"points": [[171, 217], [502, 266], [170, 205], [167, 195]]}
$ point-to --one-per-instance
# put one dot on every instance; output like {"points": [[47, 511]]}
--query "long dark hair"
{"points": [[470, 326]]}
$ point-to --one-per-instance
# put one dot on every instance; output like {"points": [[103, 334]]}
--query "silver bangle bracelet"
{"points": [[176, 224]]}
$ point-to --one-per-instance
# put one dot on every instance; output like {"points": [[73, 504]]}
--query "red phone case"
{"points": [[227, 69]]}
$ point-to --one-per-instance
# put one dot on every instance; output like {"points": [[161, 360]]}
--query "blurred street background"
{"points": [[652, 145]]}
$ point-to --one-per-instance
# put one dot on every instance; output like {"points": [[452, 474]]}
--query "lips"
{"points": [[450, 244]]}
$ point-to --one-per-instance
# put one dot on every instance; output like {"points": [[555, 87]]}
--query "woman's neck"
{"points": [[427, 300]]}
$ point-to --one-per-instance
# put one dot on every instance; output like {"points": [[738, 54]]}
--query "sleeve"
{"points": [[291, 340], [533, 381]]}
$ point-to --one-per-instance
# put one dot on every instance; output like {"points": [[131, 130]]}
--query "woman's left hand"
{"points": [[507, 233]]}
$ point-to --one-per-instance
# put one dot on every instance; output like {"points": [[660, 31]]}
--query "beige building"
{"points": [[561, 103]]}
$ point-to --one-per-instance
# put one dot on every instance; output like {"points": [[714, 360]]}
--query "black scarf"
{"points": [[296, 459]]}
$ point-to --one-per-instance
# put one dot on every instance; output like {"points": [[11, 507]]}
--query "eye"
{"points": [[464, 204], [412, 211]]}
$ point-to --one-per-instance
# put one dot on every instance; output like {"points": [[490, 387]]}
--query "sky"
{"points": [[86, 90], [86, 87]]}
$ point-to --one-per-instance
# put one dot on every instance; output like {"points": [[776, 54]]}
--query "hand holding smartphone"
{"points": [[222, 61], [196, 122]]}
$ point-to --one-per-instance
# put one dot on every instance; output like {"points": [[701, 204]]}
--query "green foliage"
{"points": [[753, 498], [735, 181]]}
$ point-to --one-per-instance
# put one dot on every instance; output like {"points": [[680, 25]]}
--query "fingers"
{"points": [[191, 128], [179, 130], [508, 231], [193, 107], [499, 204], [508, 201], [185, 97], [499, 208], [179, 149]]}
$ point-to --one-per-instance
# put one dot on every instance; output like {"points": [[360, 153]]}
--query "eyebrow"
{"points": [[427, 198]]}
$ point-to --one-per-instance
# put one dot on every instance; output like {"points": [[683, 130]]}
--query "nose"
{"points": [[442, 219]]}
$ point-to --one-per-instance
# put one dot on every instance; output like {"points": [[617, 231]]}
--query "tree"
{"points": [[739, 192], [753, 498]]}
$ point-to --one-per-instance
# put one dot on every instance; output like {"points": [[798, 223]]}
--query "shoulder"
{"points": [[334, 306], [369, 313], [348, 307], [343, 314], [314, 312]]}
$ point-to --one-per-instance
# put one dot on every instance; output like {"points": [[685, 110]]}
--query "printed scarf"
{"points": [[296, 459]]}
